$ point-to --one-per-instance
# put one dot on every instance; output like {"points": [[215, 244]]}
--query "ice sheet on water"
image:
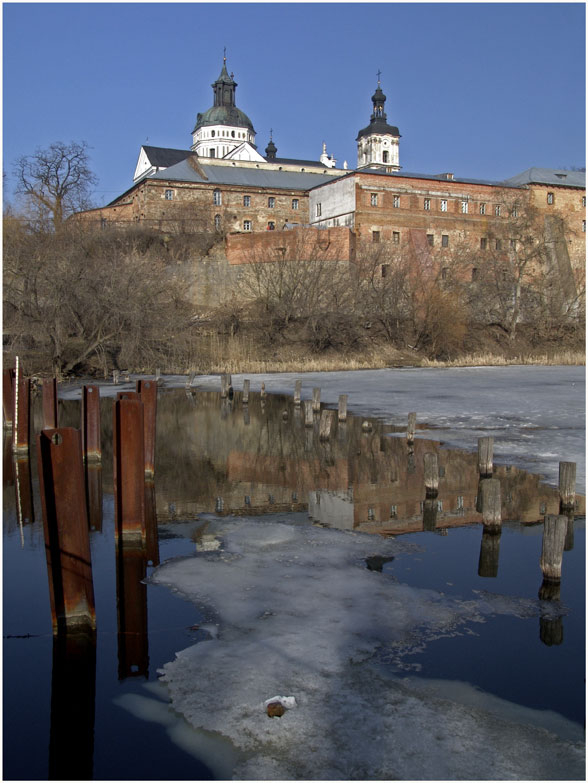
{"points": [[299, 613]]}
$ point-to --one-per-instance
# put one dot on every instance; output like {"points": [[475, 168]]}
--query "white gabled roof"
{"points": [[244, 151]]}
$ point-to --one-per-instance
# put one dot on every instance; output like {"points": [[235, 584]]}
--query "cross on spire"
{"points": [[379, 74], [225, 54]]}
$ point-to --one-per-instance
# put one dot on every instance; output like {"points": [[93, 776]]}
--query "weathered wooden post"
{"points": [[316, 399], [554, 536], [21, 419], [148, 393], [129, 468], [308, 413], [115, 376], [431, 469], [8, 381], [326, 424], [366, 426], [342, 409], [50, 404], [246, 387], [411, 427], [485, 456], [567, 485], [224, 382], [489, 552], [297, 392], [263, 392], [491, 503], [91, 445], [246, 416], [65, 522]]}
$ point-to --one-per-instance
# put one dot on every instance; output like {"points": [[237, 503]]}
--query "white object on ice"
{"points": [[288, 702]]}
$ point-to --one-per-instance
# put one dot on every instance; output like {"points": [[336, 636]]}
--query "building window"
{"points": [[374, 199], [103, 222], [584, 226], [474, 274], [464, 207], [271, 226], [443, 205], [497, 210], [499, 244], [550, 198], [427, 204], [271, 202], [513, 244], [431, 239], [246, 201], [217, 222], [482, 209], [169, 194], [396, 201], [385, 268], [319, 209], [385, 156], [483, 243], [514, 212], [444, 240], [217, 199], [212, 152], [396, 237], [583, 201], [295, 203], [246, 225], [375, 236], [444, 273]]}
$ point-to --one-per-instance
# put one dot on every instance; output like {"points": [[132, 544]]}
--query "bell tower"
{"points": [[378, 143]]}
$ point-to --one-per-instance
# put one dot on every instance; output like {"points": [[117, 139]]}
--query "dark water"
{"points": [[62, 713]]}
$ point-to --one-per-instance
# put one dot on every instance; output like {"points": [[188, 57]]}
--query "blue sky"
{"points": [[484, 90]]}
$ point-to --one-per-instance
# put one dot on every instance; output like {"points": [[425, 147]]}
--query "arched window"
{"points": [[217, 222], [212, 134]]}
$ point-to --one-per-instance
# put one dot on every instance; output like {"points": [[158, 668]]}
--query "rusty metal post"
{"points": [[129, 468], [151, 532], [93, 472], [23, 486], [8, 396], [50, 404], [148, 394], [65, 522], [91, 445]]}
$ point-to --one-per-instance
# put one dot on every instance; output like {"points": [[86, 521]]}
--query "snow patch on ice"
{"points": [[299, 613]]}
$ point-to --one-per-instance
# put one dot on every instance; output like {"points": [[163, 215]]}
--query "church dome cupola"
{"points": [[271, 149], [223, 127], [377, 144]]}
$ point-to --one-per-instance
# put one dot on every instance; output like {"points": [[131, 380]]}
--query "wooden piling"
{"points": [[263, 392], [485, 456], [342, 409], [225, 383], [567, 485], [411, 427], [129, 469], [326, 424], [316, 399], [115, 376], [8, 396], [308, 413], [50, 404], [246, 387], [491, 502], [431, 470], [297, 392], [91, 445], [554, 536], [148, 393], [65, 522]]}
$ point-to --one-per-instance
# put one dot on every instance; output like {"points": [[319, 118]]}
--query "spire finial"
{"points": [[271, 134], [379, 74], [225, 55]]}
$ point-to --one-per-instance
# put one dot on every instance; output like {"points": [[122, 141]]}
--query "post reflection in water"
{"points": [[73, 695]]}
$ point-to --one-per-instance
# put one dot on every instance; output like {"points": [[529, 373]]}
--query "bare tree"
{"points": [[56, 181]]}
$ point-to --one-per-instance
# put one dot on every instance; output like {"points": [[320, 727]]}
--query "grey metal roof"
{"points": [[252, 177], [539, 176], [165, 156], [437, 177]]}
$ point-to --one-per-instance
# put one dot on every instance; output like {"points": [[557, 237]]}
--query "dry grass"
{"points": [[241, 354]]}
